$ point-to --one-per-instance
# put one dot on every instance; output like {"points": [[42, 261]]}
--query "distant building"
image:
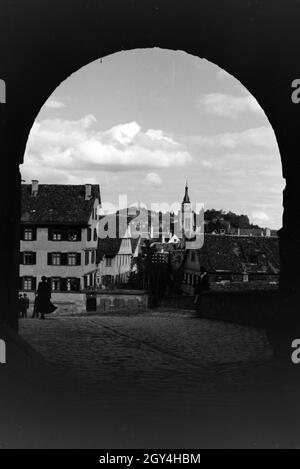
{"points": [[187, 219], [58, 237], [114, 258], [232, 259], [252, 232]]}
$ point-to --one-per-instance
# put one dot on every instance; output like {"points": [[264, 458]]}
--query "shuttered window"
{"points": [[28, 283], [64, 258], [28, 258], [29, 234]]}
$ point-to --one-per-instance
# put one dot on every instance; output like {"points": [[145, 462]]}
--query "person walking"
{"points": [[26, 304], [35, 313], [203, 284], [21, 305], [44, 295]]}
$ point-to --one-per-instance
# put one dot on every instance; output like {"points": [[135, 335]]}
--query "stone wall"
{"points": [[252, 307], [121, 300], [66, 302]]}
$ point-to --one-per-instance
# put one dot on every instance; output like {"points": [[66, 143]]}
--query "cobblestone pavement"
{"points": [[158, 378]]}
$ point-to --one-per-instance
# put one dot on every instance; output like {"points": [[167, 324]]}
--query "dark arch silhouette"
{"points": [[55, 38]]}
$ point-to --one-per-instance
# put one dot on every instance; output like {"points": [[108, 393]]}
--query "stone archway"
{"points": [[44, 42]]}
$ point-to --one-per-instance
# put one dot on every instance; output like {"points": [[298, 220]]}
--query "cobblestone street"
{"points": [[162, 378]]}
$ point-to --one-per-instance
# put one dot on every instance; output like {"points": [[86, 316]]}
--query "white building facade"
{"points": [[58, 238]]}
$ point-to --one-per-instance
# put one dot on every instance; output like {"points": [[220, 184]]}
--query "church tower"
{"points": [[187, 216]]}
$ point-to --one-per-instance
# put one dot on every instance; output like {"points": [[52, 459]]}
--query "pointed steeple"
{"points": [[186, 198]]}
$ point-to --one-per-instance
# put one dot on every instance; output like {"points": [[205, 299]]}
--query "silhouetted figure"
{"points": [[26, 305], [44, 295], [203, 284], [21, 305], [35, 313]]}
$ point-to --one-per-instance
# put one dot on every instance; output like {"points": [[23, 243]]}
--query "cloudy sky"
{"points": [[143, 122]]}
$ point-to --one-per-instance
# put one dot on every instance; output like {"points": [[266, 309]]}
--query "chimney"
{"points": [[34, 187], [88, 191]]}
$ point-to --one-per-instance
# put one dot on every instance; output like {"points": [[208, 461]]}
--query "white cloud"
{"points": [[153, 179], [72, 146], [225, 105], [124, 133], [54, 104]]}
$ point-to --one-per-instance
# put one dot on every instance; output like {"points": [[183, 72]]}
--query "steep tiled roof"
{"points": [[57, 204], [108, 247], [237, 254]]}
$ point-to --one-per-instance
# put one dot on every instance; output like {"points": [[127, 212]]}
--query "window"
{"points": [[95, 234], [73, 235], [56, 258], [29, 283], [29, 258], [72, 258], [73, 284], [108, 262], [29, 234], [193, 256], [93, 257], [87, 257], [55, 284], [64, 234], [56, 235], [64, 258], [89, 234]]}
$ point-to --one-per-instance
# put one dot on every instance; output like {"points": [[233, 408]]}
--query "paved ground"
{"points": [[159, 379]]}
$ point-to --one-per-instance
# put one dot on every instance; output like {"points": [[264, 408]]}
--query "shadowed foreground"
{"points": [[153, 380]]}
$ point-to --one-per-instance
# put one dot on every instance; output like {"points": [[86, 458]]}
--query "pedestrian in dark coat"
{"points": [[21, 306], [44, 295], [26, 304], [203, 284], [35, 313]]}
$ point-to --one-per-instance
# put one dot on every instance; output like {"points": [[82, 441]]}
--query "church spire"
{"points": [[186, 199]]}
